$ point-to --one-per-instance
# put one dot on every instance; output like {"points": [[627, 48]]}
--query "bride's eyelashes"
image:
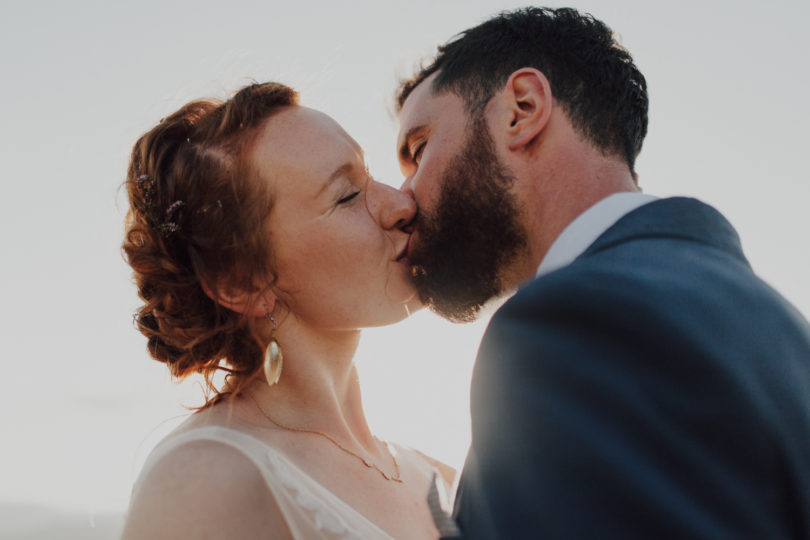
{"points": [[359, 183], [348, 198]]}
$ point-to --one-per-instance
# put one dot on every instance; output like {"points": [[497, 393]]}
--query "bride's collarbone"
{"points": [[398, 508]]}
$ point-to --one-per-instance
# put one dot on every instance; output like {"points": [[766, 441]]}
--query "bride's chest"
{"points": [[398, 508]]}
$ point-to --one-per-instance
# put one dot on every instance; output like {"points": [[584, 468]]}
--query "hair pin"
{"points": [[169, 226]]}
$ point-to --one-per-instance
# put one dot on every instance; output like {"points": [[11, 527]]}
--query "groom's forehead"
{"points": [[424, 106], [419, 101]]}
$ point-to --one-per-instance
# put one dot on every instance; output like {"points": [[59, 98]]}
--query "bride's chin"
{"points": [[409, 307], [414, 304], [402, 292], [405, 307]]}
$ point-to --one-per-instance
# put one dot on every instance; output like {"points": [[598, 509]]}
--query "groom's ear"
{"points": [[527, 100]]}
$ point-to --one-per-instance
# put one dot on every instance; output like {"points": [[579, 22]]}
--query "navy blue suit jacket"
{"points": [[654, 388]]}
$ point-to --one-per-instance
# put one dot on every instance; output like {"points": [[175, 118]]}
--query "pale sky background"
{"points": [[83, 404]]}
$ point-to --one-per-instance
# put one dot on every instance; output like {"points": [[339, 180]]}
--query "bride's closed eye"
{"points": [[348, 197], [351, 196]]}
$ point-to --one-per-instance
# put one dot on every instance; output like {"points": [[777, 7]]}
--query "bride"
{"points": [[261, 246]]}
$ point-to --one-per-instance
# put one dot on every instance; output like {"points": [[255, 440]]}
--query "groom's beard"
{"points": [[472, 234]]}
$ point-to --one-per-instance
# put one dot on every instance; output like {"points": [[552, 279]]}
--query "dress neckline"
{"points": [[227, 435]]}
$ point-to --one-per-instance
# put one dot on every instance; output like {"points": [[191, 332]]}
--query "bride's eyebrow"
{"points": [[343, 170]]}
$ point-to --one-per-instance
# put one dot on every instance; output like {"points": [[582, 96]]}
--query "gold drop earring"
{"points": [[273, 359]]}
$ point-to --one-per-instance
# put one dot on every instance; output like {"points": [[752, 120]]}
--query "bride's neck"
{"points": [[319, 387]]}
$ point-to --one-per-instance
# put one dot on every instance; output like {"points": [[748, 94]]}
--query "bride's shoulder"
{"points": [[197, 486]]}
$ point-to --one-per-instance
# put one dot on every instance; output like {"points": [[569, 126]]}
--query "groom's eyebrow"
{"points": [[405, 147]]}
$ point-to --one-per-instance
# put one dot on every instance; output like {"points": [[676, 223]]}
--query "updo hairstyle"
{"points": [[196, 219]]}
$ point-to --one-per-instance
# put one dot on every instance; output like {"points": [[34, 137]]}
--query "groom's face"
{"points": [[467, 231]]}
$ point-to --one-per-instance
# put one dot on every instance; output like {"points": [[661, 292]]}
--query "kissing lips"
{"points": [[403, 256]]}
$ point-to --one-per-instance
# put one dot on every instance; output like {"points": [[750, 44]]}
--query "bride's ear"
{"points": [[257, 304]]}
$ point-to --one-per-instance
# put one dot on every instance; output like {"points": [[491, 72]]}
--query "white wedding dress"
{"points": [[310, 510]]}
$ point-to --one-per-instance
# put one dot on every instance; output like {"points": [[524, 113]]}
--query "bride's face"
{"points": [[337, 247]]}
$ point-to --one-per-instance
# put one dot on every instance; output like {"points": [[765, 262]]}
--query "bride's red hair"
{"points": [[196, 221]]}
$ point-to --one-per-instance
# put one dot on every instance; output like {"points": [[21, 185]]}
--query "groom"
{"points": [[643, 382]]}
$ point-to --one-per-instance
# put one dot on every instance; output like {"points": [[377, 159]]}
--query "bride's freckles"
{"points": [[336, 233]]}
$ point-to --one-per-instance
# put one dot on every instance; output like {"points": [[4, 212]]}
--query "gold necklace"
{"points": [[364, 461]]}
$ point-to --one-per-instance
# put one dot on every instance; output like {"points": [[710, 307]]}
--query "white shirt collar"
{"points": [[588, 226]]}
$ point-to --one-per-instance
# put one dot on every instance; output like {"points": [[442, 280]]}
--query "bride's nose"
{"points": [[394, 208]]}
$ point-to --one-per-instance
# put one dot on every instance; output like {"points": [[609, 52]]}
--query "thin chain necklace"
{"points": [[364, 461]]}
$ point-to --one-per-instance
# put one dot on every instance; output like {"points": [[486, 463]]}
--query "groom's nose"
{"points": [[407, 187], [411, 186], [396, 209]]}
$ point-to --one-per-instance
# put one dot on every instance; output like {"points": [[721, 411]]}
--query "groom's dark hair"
{"points": [[591, 76]]}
